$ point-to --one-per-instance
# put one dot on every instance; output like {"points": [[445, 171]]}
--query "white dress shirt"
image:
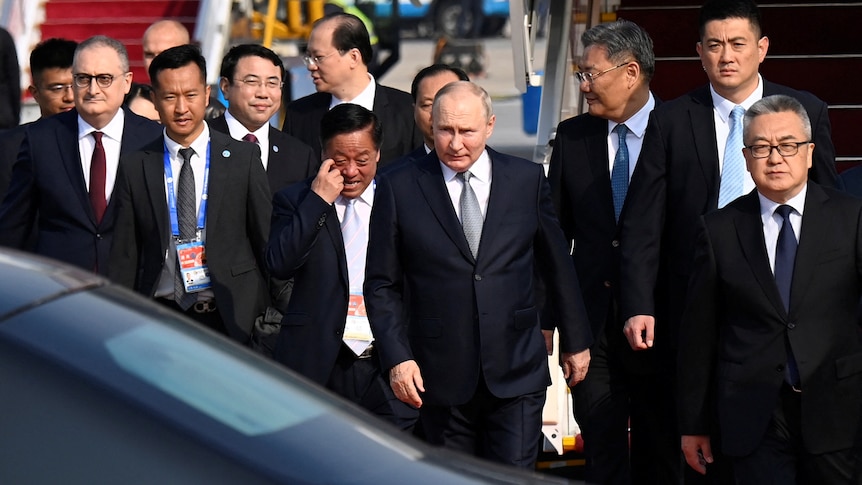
{"points": [[111, 140], [637, 127], [236, 130], [480, 182], [364, 99], [772, 222]]}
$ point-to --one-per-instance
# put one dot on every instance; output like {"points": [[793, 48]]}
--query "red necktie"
{"points": [[250, 138], [98, 169]]}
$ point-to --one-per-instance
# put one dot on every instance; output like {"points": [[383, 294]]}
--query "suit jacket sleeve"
{"points": [[561, 281], [643, 224], [18, 211], [296, 223], [384, 281], [123, 264], [823, 165], [698, 341]]}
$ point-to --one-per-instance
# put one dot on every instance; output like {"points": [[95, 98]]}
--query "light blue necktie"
{"points": [[620, 173], [355, 236], [733, 172], [471, 215]]}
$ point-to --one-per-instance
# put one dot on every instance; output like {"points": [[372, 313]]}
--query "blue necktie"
{"points": [[785, 260], [733, 171], [471, 214], [620, 173]]}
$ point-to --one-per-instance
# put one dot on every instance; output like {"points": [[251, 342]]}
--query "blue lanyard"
{"points": [[172, 197]]}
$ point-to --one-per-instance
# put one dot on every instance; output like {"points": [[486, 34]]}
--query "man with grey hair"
{"points": [[455, 241], [769, 336], [594, 157], [63, 180]]}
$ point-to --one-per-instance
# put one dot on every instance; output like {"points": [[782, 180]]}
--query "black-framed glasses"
{"points": [[590, 77], [315, 60], [55, 89], [84, 80], [256, 82], [786, 149]]}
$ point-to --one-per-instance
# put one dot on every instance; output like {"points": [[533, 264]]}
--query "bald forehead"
{"points": [[168, 29]]}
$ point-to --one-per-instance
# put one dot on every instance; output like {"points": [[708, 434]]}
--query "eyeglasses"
{"points": [[56, 89], [787, 149], [254, 82], [103, 80], [590, 77], [315, 60]]}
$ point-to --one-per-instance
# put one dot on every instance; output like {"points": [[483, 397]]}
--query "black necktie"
{"points": [[187, 220], [785, 260]]}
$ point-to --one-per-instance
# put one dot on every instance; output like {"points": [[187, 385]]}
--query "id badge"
{"points": [[193, 266], [357, 326]]}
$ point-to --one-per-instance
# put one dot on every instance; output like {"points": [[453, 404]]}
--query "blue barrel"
{"points": [[530, 102]]}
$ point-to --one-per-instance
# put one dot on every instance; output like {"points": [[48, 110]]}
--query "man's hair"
{"points": [[730, 9], [349, 33], [104, 41], [623, 40], [233, 56], [473, 88], [138, 90], [432, 71], [175, 58], [349, 118], [54, 53], [777, 103]]}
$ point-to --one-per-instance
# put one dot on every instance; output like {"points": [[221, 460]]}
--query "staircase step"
{"points": [[81, 9], [845, 131], [120, 29]]}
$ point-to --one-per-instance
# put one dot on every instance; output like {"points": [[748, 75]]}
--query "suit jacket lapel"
{"points": [[596, 142], [816, 225], [219, 176], [702, 122], [749, 228], [154, 180], [499, 200], [67, 137], [434, 190]]}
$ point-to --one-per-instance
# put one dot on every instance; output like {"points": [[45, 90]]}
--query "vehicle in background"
{"points": [[101, 385]]}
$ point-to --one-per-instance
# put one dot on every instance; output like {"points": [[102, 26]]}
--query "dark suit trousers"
{"points": [[781, 458], [500, 430], [615, 397], [362, 382]]}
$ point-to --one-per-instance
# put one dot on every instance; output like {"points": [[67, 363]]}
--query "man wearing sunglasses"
{"points": [[64, 178], [337, 57]]}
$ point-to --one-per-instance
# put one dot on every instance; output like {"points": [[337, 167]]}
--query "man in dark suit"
{"points": [[623, 400], [338, 54], [325, 334], [770, 337], [10, 82], [453, 305], [63, 181], [51, 88], [193, 212], [691, 164], [251, 81]]}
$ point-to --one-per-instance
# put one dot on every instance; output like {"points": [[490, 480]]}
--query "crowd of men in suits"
{"points": [[695, 256]]}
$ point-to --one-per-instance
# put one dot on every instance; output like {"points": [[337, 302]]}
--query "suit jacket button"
{"points": [[477, 277], [98, 236], [607, 284], [615, 243], [779, 368], [791, 325]]}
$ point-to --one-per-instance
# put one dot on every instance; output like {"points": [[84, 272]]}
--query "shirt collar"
{"points": [[724, 106], [199, 145], [238, 130], [481, 169], [638, 122], [367, 196], [113, 130], [768, 206], [364, 99]]}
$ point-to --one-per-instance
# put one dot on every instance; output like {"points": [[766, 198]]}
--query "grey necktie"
{"points": [[471, 215], [187, 222]]}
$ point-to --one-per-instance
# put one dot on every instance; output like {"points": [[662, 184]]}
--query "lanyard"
{"points": [[172, 197]]}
